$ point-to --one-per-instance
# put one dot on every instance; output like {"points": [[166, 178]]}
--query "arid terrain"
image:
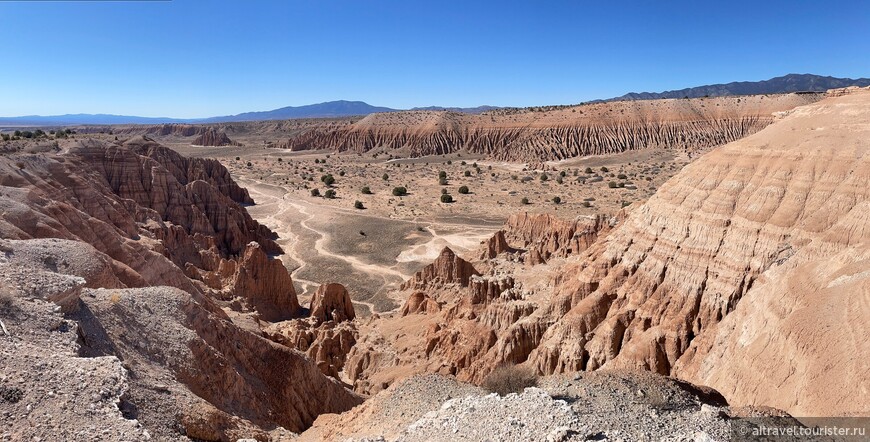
{"points": [[631, 270]]}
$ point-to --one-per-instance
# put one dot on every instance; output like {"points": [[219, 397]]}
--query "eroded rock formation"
{"points": [[751, 258], [213, 137], [447, 269], [534, 136]]}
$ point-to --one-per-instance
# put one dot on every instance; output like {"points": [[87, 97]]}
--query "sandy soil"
{"points": [[372, 250]]}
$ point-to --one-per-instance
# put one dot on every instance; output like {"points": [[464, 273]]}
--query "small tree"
{"points": [[385, 177], [400, 191], [315, 192], [330, 194], [442, 174], [544, 177], [446, 198], [463, 190], [328, 179], [366, 191], [358, 205]]}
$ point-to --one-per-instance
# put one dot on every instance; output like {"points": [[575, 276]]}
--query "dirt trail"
{"points": [[295, 221]]}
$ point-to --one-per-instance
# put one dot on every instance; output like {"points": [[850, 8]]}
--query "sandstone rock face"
{"points": [[332, 302], [535, 136], [213, 137], [265, 283], [447, 269], [171, 360], [544, 236], [161, 218]]}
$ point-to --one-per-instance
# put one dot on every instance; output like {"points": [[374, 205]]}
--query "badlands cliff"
{"points": [[747, 272], [133, 282], [533, 136]]}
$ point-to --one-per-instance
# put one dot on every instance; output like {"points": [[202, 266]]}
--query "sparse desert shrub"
{"points": [[115, 298], [588, 170], [562, 174], [442, 174], [329, 194], [544, 177], [249, 164], [604, 169], [238, 158], [385, 177], [557, 200], [508, 379], [366, 191], [612, 185], [446, 198], [444, 191], [315, 192], [467, 173], [622, 176], [328, 179], [587, 204], [358, 205], [400, 191], [280, 159], [524, 200], [463, 190], [442, 181]]}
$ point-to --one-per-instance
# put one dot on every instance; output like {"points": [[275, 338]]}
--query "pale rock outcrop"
{"points": [[419, 303], [331, 302], [535, 136], [214, 138], [448, 268]]}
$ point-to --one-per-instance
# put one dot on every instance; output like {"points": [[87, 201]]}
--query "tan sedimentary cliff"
{"points": [[161, 217], [327, 334], [528, 135], [213, 137], [747, 272], [447, 269]]}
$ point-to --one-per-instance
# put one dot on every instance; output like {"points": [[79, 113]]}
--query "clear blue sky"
{"points": [[186, 58]]}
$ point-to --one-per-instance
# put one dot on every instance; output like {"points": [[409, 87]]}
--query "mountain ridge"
{"points": [[344, 108], [777, 85]]}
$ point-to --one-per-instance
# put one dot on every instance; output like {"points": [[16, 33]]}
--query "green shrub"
{"points": [[524, 201], [446, 198], [358, 205], [315, 192], [463, 190], [366, 191], [400, 191], [329, 194], [557, 200]]}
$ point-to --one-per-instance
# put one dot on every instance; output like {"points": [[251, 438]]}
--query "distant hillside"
{"points": [[78, 119], [778, 85], [329, 109], [465, 110]]}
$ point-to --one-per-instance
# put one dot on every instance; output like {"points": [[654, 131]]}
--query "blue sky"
{"points": [[186, 58]]}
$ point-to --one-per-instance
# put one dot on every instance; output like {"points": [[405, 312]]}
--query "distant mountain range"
{"points": [[342, 108], [778, 85], [330, 109]]}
